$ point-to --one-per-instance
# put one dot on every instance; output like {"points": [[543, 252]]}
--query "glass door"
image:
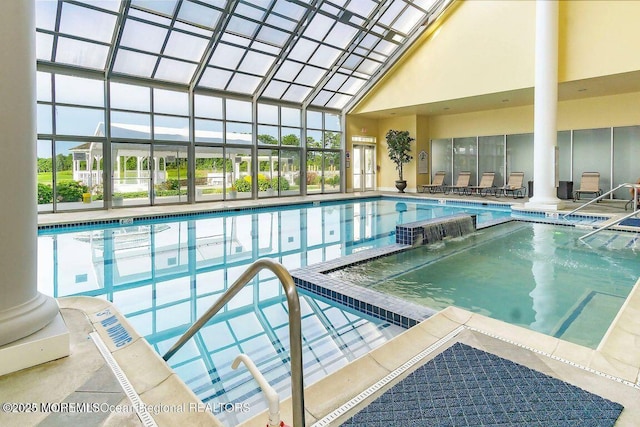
{"points": [[364, 171], [170, 168]]}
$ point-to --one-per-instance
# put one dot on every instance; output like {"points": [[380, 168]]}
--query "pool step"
{"points": [[616, 241]]}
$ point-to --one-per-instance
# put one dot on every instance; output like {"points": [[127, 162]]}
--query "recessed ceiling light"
{"points": [[445, 108], [505, 100], [582, 90]]}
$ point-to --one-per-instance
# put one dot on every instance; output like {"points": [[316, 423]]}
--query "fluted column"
{"points": [[545, 106], [23, 310]]}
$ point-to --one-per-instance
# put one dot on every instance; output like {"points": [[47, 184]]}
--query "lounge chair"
{"points": [[437, 185], [462, 183], [486, 184], [514, 186], [590, 184]]}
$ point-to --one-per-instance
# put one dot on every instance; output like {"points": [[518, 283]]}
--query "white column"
{"points": [[545, 107], [23, 310]]}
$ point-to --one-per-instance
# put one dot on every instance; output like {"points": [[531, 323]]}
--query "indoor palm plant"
{"points": [[399, 145]]}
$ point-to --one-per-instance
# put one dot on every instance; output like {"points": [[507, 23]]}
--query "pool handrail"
{"points": [[609, 225], [295, 328], [594, 200]]}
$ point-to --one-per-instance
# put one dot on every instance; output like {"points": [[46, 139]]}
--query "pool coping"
{"points": [[152, 379], [339, 388]]}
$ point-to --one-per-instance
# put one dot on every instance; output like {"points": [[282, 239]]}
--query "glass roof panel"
{"points": [[147, 16], [335, 82], [341, 43], [296, 93], [184, 46], [338, 101], [280, 22], [319, 27], [215, 78], [310, 75], [165, 7], [303, 50], [325, 56], [192, 29], [245, 10], [288, 71], [88, 23], [226, 56], [341, 35], [273, 36], [425, 4], [362, 7], [244, 83], [199, 14], [407, 20], [289, 9], [82, 54], [322, 98], [353, 85], [46, 12], [139, 35], [134, 63], [256, 63], [44, 46], [175, 71], [275, 89], [242, 26], [113, 5], [267, 48], [368, 66]]}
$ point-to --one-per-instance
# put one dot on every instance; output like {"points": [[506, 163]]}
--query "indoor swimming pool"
{"points": [[162, 274], [539, 276]]}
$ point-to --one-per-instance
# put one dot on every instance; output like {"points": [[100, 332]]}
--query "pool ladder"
{"points": [[295, 330], [636, 191]]}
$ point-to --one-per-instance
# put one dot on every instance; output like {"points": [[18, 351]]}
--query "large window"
{"points": [[324, 142], [241, 149], [70, 157]]}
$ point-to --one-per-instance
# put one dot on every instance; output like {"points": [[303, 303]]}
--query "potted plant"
{"points": [[399, 145], [117, 199], [233, 192]]}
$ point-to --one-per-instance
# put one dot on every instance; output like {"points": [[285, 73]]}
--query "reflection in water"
{"points": [[543, 294]]}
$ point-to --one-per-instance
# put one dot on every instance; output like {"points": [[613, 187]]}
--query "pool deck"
{"points": [[611, 371]]}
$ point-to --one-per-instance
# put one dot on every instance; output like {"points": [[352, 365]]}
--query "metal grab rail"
{"points": [[604, 227], [600, 197], [295, 329]]}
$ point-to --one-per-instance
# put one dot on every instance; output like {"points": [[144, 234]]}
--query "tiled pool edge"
{"points": [[376, 304]]}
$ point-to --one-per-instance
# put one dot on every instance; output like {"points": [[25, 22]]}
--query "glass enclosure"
{"points": [[465, 153], [592, 153], [441, 159], [626, 150]]}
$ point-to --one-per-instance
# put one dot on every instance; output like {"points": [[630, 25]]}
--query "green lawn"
{"points": [[47, 177]]}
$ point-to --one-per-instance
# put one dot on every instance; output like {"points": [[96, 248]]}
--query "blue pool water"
{"points": [[163, 274], [539, 276]]}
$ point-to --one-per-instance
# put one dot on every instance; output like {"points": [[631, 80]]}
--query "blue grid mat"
{"points": [[464, 386]]}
